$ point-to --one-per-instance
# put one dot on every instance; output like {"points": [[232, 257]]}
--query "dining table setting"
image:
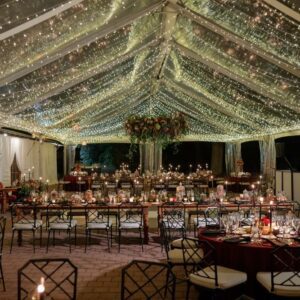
{"points": [[245, 243]]}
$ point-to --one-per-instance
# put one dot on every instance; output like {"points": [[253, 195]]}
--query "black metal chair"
{"points": [[173, 246], [284, 278], [206, 274], [60, 277], [61, 220], [24, 218], [147, 280], [212, 216], [2, 234], [97, 217], [173, 215], [131, 218]]}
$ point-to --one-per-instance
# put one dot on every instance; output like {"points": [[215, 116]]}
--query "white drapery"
{"points": [[29, 153], [233, 153], [268, 159], [150, 157]]}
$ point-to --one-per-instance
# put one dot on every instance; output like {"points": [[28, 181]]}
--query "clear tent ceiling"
{"points": [[75, 70]]}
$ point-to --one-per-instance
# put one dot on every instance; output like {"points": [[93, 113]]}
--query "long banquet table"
{"points": [[187, 205]]}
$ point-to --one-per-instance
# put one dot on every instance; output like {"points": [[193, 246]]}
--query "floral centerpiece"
{"points": [[162, 129]]}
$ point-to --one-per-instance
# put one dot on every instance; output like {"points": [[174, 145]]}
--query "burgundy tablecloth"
{"points": [[249, 258]]}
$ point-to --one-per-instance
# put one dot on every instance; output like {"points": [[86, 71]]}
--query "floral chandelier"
{"points": [[162, 129]]}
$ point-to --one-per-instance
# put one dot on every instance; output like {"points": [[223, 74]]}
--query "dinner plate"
{"points": [[286, 236], [246, 235]]}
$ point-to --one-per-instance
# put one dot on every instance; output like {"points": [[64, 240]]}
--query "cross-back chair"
{"points": [[284, 278], [147, 280], [24, 218], [60, 279], [98, 217], [131, 217], [60, 220], [206, 274]]}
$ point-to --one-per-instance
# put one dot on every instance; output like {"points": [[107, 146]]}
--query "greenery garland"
{"points": [[163, 129]]}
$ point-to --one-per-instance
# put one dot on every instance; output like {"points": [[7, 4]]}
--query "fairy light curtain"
{"points": [[233, 153], [268, 159]]}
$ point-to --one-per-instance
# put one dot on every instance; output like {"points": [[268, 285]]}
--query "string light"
{"points": [[85, 95]]}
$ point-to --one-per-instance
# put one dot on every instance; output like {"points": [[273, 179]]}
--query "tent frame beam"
{"points": [[212, 26], [79, 43]]}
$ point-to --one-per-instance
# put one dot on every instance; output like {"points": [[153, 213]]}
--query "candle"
{"points": [[47, 185], [29, 170], [41, 289], [212, 181]]}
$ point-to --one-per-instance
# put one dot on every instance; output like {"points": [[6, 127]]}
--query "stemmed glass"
{"points": [[296, 225]]}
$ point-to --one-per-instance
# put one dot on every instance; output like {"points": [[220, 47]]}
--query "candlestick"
{"points": [[270, 216], [29, 170], [261, 200], [32, 172]]}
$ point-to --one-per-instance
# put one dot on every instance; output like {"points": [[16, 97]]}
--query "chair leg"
{"points": [[86, 238], [188, 290], [33, 241], [142, 239], [70, 245], [107, 236], [111, 236], [48, 240], [2, 276], [41, 236], [75, 236], [53, 238], [12, 240], [90, 237], [120, 240]]}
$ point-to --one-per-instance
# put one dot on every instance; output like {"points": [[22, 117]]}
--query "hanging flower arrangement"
{"points": [[163, 129]]}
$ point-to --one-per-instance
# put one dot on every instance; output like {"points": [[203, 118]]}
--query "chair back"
{"points": [[285, 267], [193, 253], [97, 213], [212, 216], [204, 262], [131, 213], [23, 214], [173, 214], [59, 213], [60, 277], [147, 280], [2, 233]]}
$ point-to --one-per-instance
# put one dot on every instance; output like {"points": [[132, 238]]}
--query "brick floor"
{"points": [[99, 271]]}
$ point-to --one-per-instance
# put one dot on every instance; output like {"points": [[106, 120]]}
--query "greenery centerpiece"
{"points": [[163, 129]]}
